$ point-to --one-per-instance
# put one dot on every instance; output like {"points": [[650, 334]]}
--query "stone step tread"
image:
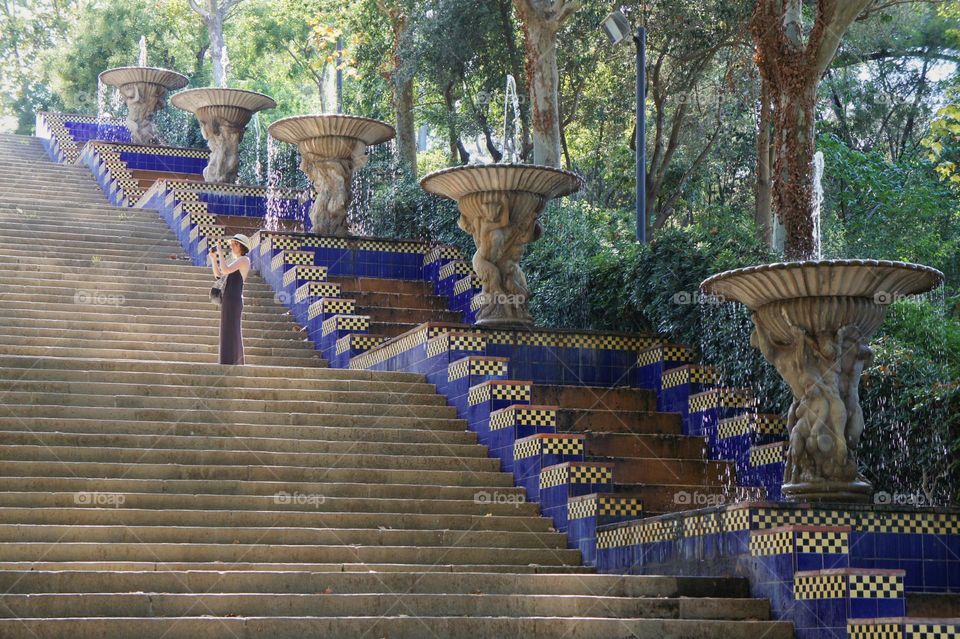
{"points": [[116, 569], [291, 461], [324, 536], [292, 519], [249, 372], [165, 551], [300, 474], [151, 603], [411, 579], [394, 627], [157, 356], [241, 444]]}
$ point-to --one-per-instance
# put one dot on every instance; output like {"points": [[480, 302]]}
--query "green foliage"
{"points": [[882, 210], [107, 34]]}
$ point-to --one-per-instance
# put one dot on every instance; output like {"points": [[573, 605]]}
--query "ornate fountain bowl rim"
{"points": [[194, 99], [756, 286], [166, 78], [300, 128], [459, 181]]}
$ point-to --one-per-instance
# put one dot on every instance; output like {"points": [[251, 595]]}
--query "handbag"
{"points": [[216, 291]]}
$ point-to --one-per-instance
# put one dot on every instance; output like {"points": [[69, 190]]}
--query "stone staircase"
{"points": [[147, 491]]}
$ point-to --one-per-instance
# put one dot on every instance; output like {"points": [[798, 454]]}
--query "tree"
{"points": [[28, 29], [399, 75], [541, 21], [215, 14], [791, 66]]}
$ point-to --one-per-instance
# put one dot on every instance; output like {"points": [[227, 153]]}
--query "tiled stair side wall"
{"points": [[63, 135], [113, 166], [833, 571], [192, 209]]}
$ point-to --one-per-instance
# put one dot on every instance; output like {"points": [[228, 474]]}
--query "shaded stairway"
{"points": [[147, 491]]}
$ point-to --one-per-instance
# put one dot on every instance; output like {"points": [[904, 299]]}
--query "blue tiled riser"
{"points": [[931, 560], [160, 162], [83, 132]]}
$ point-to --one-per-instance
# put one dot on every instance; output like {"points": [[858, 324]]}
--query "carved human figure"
{"points": [[824, 420], [143, 101], [331, 178], [223, 138], [501, 223]]}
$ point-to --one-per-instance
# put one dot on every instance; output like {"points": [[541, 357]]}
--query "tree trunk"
{"points": [[541, 20], [794, 145], [217, 47], [763, 205], [406, 127], [401, 89], [792, 68], [543, 82]]}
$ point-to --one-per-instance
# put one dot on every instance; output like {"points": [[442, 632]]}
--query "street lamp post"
{"points": [[616, 26]]}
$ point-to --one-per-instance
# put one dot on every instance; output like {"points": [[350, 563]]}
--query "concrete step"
{"points": [[111, 351], [669, 472], [264, 436], [107, 232], [158, 356], [578, 420], [288, 464], [933, 605], [171, 349], [163, 331], [110, 318], [366, 404], [151, 603], [125, 516], [394, 627], [276, 534], [213, 552], [253, 288], [253, 343], [594, 397], [170, 469], [208, 369], [121, 568], [345, 582], [105, 301], [367, 299], [634, 446], [276, 445], [66, 291], [171, 272], [216, 382], [61, 492]]}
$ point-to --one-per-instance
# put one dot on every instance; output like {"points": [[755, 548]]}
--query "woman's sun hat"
{"points": [[242, 239]]}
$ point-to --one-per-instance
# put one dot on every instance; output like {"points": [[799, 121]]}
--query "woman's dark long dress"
{"points": [[231, 307]]}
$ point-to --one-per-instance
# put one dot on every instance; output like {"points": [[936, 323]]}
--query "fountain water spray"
{"points": [[510, 128], [142, 60], [817, 203]]}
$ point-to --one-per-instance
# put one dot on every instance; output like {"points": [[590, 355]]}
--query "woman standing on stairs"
{"points": [[231, 305]]}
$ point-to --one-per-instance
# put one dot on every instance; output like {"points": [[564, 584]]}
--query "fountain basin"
{"points": [[499, 207], [332, 147], [223, 115], [813, 321], [144, 89]]}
